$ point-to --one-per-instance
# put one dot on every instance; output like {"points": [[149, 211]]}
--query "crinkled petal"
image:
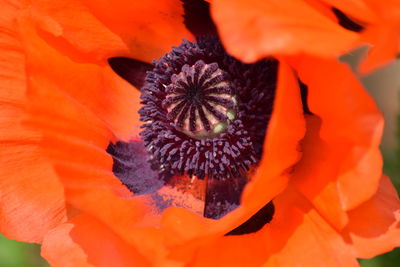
{"points": [[79, 107], [374, 227], [31, 198], [95, 87], [342, 151], [74, 141], [149, 28], [92, 31], [70, 27], [320, 187], [60, 115], [60, 250], [298, 235], [254, 29]]}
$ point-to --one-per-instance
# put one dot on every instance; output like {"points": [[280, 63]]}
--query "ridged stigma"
{"points": [[200, 100]]}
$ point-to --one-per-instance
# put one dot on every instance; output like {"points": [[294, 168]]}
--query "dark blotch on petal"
{"points": [[132, 70], [256, 222], [197, 18], [131, 166], [304, 98], [346, 22], [223, 196]]}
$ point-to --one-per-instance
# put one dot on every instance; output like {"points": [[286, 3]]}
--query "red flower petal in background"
{"points": [[384, 35], [382, 25], [293, 27], [263, 28]]}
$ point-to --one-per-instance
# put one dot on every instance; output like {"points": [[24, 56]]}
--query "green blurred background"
{"points": [[384, 86]]}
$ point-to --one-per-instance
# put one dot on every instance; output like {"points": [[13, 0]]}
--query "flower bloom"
{"points": [[62, 105]]}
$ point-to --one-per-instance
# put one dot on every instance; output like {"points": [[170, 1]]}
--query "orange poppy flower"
{"points": [[316, 195]]}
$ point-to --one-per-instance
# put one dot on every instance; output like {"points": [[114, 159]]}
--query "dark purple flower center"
{"points": [[205, 112]]}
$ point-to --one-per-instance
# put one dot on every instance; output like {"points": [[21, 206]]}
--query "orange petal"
{"points": [[102, 196], [348, 168], [382, 35], [149, 28], [92, 31], [75, 143], [32, 198], [323, 8], [246, 250], [74, 109], [358, 9], [299, 235], [94, 87], [86, 235], [74, 31], [385, 40], [253, 29], [75, 140], [285, 130], [60, 250], [114, 251], [315, 175], [374, 227]]}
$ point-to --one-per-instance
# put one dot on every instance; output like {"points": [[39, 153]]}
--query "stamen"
{"points": [[206, 112]]}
